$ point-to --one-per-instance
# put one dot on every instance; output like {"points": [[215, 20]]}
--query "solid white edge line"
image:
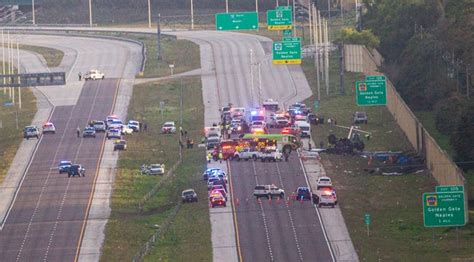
{"points": [[17, 191], [315, 208]]}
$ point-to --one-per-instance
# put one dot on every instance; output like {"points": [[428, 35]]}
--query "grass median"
{"points": [[394, 203], [12, 121], [128, 230]]}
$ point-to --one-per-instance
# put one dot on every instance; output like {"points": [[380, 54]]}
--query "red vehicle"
{"points": [[218, 201], [292, 130], [228, 148]]}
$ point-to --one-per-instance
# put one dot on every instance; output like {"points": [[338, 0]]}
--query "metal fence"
{"points": [[149, 245]]}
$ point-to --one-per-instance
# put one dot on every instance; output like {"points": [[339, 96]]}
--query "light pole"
{"points": [[149, 14], [192, 15], [294, 18], [3, 61], [251, 74], [33, 11], [18, 72], [90, 13], [227, 6]]}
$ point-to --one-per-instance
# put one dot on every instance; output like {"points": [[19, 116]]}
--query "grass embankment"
{"points": [[11, 133], [184, 55], [394, 203], [127, 230], [52, 57]]}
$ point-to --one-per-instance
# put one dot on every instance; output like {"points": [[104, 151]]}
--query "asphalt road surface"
{"points": [[46, 220], [267, 231]]}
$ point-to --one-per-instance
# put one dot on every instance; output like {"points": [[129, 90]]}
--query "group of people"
{"points": [[216, 154], [189, 141]]}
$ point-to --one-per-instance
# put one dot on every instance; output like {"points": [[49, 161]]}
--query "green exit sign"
{"points": [[441, 189], [286, 53], [280, 19], [371, 92], [237, 21], [443, 209]]}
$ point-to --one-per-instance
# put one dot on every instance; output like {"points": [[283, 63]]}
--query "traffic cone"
{"points": [[270, 200], [301, 200], [237, 202], [247, 200], [278, 200], [288, 200], [259, 201]]}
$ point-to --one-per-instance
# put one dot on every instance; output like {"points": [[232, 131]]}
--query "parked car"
{"points": [[134, 125], [64, 166], [49, 127], [88, 132], [189, 195], [120, 145], [360, 117], [246, 154], [76, 170], [268, 191], [218, 201], [93, 74], [31, 131], [114, 133], [156, 169], [206, 174], [168, 128], [303, 193], [99, 126], [126, 130]]}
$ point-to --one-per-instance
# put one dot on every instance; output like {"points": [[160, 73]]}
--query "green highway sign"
{"points": [[367, 219], [442, 189], [237, 21], [371, 93], [286, 53], [287, 32], [443, 209], [280, 19], [291, 39], [316, 105], [375, 78]]}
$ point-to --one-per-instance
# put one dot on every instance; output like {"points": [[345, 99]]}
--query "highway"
{"points": [[48, 218], [267, 231]]}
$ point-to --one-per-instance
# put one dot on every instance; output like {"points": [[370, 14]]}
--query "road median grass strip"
{"points": [[397, 232], [126, 230]]}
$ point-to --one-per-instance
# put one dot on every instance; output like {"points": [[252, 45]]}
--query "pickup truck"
{"points": [[270, 155], [246, 154]]}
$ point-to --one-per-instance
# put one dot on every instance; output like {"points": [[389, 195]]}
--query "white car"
{"points": [[126, 130], [115, 124], [246, 154], [156, 169], [94, 74], [135, 125], [114, 133], [324, 181], [168, 128], [49, 128]]}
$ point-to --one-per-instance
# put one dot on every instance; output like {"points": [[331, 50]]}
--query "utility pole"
{"points": [[3, 62], [294, 19], [149, 14], [90, 13], [158, 33], [251, 75], [9, 64], [33, 11], [192, 15], [326, 56], [227, 6], [341, 69], [310, 10]]}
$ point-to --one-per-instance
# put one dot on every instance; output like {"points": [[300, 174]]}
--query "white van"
{"points": [[305, 128]]}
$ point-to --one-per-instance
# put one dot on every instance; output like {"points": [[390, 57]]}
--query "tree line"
{"points": [[428, 50]]}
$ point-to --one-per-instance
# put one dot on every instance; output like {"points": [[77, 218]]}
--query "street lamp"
{"points": [[149, 14], [90, 13]]}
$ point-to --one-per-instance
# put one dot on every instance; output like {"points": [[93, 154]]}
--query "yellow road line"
{"points": [[91, 196]]}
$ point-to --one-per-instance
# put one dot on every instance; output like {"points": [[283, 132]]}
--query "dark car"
{"points": [[360, 117], [76, 170], [189, 195], [315, 119], [64, 166], [88, 132], [303, 193], [120, 145]]}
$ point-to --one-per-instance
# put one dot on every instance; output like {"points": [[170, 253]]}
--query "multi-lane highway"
{"points": [[266, 231], [48, 218]]}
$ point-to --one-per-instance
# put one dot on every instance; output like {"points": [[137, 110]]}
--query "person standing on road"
{"points": [[220, 156], [80, 76], [78, 132]]}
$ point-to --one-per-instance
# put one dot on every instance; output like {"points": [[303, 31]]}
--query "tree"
{"points": [[351, 36], [463, 138]]}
